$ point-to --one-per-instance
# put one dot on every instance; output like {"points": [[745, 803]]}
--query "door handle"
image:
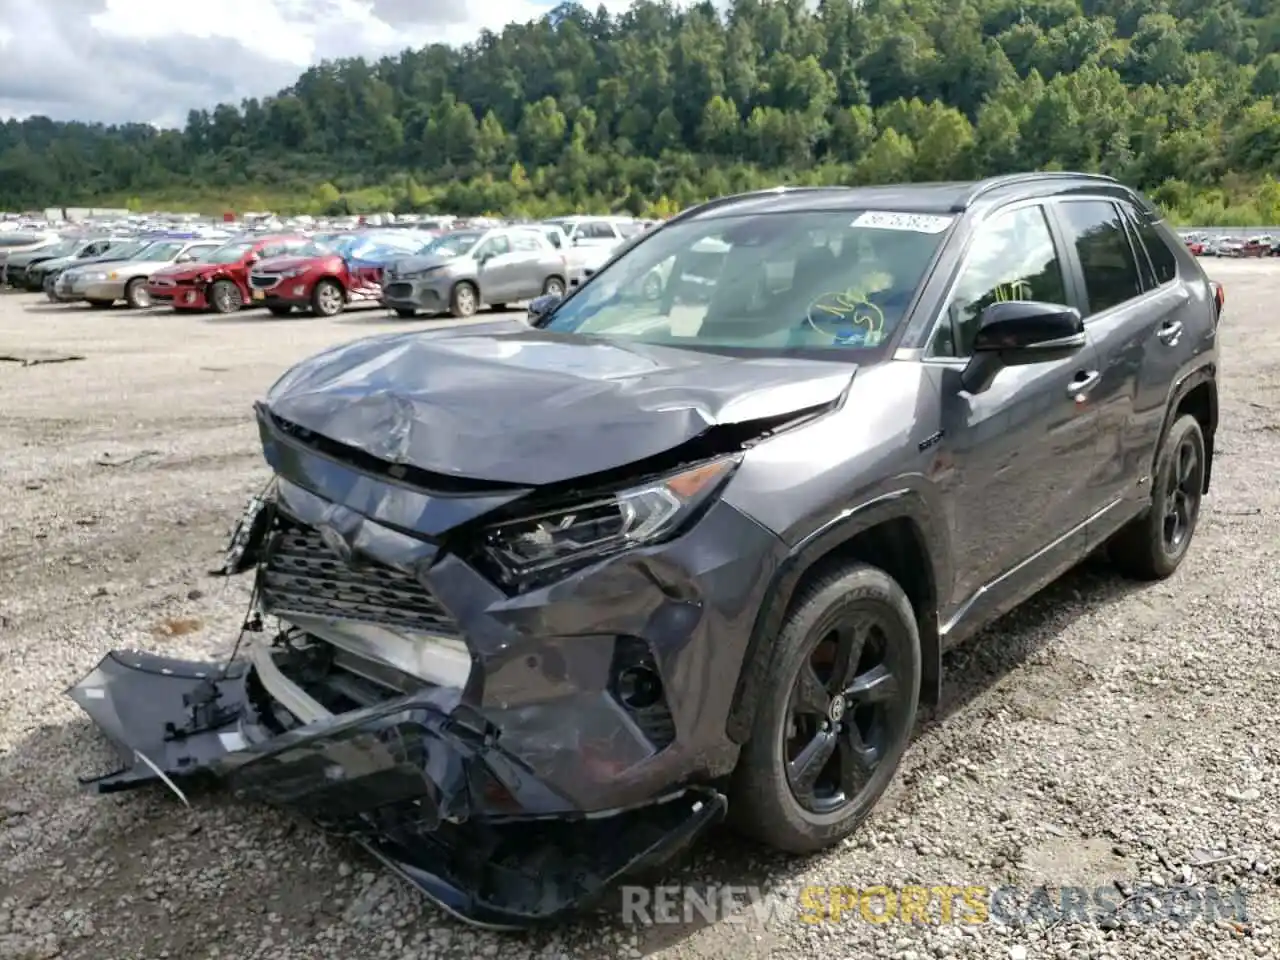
{"points": [[1083, 383], [1170, 332]]}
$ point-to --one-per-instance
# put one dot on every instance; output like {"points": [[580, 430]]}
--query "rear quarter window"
{"points": [[1164, 263]]}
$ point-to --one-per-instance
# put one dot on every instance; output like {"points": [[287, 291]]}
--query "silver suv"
{"points": [[461, 270]]}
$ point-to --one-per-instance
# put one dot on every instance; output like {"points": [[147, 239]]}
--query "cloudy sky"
{"points": [[153, 60]]}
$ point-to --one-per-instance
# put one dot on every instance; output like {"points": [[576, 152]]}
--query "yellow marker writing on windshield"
{"points": [[850, 307]]}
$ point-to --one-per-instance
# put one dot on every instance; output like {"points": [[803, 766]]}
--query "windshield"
{"points": [[161, 250], [834, 282], [229, 253], [63, 248], [120, 251], [453, 244]]}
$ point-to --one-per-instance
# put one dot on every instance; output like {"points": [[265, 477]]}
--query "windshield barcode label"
{"points": [[913, 222]]}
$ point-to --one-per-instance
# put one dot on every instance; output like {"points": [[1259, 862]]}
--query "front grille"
{"points": [[263, 281], [399, 291], [302, 575]]}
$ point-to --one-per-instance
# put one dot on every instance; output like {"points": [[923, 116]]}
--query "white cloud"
{"points": [[153, 60]]}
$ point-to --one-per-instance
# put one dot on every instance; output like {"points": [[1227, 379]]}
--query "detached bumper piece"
{"points": [[418, 779]]}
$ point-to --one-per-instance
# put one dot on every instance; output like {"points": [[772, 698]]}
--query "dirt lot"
{"points": [[1105, 732]]}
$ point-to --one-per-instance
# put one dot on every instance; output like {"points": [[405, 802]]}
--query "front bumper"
{"points": [[285, 292], [96, 290], [182, 296], [514, 783], [430, 293], [407, 780]]}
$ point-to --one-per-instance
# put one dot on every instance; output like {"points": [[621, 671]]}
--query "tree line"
{"points": [[659, 107]]}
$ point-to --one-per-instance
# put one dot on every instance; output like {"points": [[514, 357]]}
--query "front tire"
{"points": [[224, 297], [1152, 546], [465, 300], [135, 294], [831, 729], [327, 299]]}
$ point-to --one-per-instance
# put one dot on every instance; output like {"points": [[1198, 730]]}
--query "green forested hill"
{"points": [[661, 107]]}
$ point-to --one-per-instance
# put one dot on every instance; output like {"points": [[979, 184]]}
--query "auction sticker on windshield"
{"points": [[912, 222]]}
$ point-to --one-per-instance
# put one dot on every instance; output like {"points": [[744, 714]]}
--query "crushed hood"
{"points": [[411, 263], [529, 407]]}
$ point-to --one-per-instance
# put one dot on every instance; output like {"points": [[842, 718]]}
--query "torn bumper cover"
{"points": [[422, 787]]}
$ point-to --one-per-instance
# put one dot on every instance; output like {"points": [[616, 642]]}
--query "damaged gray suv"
{"points": [[536, 603]]}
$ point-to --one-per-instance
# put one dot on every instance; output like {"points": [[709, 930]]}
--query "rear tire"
{"points": [[845, 683], [1152, 546], [224, 297], [464, 301], [135, 294]]}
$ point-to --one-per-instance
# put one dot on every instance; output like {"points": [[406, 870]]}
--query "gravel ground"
{"points": [[1103, 733]]}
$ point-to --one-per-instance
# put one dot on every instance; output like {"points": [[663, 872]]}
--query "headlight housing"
{"points": [[531, 551], [97, 275], [296, 272]]}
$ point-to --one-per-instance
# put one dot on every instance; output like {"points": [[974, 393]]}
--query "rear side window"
{"points": [[1164, 263], [1106, 258]]}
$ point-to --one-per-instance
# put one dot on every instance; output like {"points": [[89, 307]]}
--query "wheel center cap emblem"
{"points": [[836, 711]]}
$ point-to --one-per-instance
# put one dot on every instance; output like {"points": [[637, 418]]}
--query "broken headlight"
{"points": [[533, 549]]}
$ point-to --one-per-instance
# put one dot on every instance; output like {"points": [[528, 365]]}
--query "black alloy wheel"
{"points": [[837, 713], [1152, 546], [842, 717], [1182, 495]]}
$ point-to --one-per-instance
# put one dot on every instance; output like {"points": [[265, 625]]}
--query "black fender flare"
{"points": [[905, 503], [1206, 373]]}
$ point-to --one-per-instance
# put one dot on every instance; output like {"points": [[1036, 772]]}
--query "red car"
{"points": [[332, 272], [219, 280]]}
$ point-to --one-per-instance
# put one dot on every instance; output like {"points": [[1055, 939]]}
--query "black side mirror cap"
{"points": [[1020, 332], [1029, 325]]}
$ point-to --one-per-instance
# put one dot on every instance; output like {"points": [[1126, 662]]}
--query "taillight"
{"points": [[1219, 300]]}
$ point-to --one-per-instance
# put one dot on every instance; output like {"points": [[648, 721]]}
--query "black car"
{"points": [[557, 595], [40, 274]]}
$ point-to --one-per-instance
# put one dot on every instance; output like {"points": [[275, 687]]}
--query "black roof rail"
{"points": [[983, 187]]}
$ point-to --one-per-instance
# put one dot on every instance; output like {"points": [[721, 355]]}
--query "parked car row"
{"points": [[410, 271], [1201, 245]]}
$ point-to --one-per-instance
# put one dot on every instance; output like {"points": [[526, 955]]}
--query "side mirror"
{"points": [[539, 307], [1019, 332], [251, 259], [185, 258], [588, 272]]}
